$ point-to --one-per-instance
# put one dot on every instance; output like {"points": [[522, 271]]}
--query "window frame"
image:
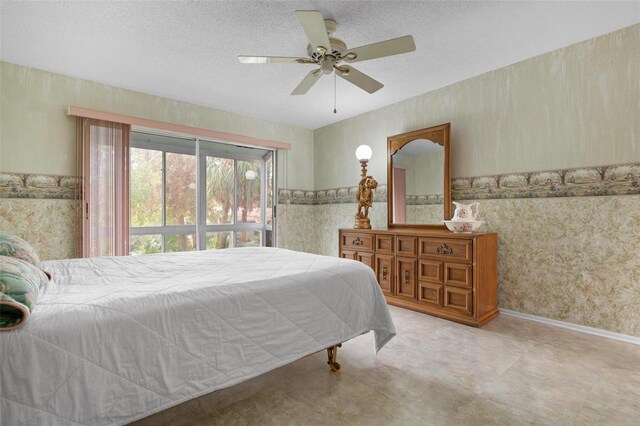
{"points": [[201, 149]]}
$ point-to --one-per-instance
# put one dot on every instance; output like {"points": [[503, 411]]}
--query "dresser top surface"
{"points": [[421, 232]]}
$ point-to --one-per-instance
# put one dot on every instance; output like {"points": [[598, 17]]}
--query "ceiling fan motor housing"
{"points": [[337, 47]]}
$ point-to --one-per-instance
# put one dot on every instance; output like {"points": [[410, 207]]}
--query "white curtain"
{"points": [[105, 191]]}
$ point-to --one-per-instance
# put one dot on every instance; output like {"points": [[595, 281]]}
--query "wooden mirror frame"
{"points": [[438, 134]]}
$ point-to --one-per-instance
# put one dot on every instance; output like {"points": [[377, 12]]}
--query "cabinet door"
{"points": [[430, 270], [385, 244], [349, 254], [406, 277], [430, 293], [366, 258], [458, 275], [384, 272], [406, 246], [458, 300]]}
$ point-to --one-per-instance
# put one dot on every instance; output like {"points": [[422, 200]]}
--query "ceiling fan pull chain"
{"points": [[335, 111]]}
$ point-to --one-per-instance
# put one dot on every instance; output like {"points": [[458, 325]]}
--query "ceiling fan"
{"points": [[329, 53]]}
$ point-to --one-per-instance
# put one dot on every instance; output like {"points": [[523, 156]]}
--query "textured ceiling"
{"points": [[187, 50]]}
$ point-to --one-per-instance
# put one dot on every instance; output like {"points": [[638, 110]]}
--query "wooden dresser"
{"points": [[452, 276]]}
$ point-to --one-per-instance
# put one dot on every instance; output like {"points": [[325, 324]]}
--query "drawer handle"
{"points": [[444, 249], [384, 273], [357, 242], [406, 277]]}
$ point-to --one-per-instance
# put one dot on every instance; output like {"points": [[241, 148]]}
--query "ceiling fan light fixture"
{"points": [[327, 64]]}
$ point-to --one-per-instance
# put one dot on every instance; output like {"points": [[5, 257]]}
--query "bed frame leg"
{"points": [[331, 353]]}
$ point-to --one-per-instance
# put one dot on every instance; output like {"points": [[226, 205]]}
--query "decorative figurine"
{"points": [[364, 196]]}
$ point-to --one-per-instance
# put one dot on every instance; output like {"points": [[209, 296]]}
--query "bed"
{"points": [[115, 339]]}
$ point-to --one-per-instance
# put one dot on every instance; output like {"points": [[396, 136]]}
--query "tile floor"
{"points": [[435, 372]]}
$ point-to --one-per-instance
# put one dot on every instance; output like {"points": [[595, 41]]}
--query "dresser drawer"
{"points": [[446, 249], [406, 246], [349, 254], [355, 241], [385, 244], [430, 270], [430, 294], [458, 275], [458, 300]]}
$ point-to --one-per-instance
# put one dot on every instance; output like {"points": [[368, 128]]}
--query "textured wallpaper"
{"points": [[35, 129], [571, 259], [50, 225], [295, 227], [569, 239], [569, 108]]}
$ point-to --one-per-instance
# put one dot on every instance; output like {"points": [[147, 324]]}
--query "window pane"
{"points": [[248, 181], [218, 240], [181, 189], [145, 244], [219, 190], [179, 242], [164, 195], [248, 239], [269, 212], [145, 187]]}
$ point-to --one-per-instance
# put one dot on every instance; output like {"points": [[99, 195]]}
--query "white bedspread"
{"points": [[115, 339]]}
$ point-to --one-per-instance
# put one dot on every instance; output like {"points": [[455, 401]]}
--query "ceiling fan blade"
{"points": [[307, 82], [381, 49], [314, 27], [360, 79], [273, 60]]}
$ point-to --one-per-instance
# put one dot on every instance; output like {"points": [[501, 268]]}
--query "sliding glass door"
{"points": [[189, 194]]}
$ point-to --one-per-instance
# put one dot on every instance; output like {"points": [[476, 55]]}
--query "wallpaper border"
{"points": [[619, 179], [38, 186]]}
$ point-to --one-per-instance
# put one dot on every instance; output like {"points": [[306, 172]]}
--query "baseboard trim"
{"points": [[575, 327]]}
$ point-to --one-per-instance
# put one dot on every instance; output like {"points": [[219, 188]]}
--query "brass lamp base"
{"points": [[362, 223]]}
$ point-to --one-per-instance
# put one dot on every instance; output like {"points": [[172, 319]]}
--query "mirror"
{"points": [[418, 179]]}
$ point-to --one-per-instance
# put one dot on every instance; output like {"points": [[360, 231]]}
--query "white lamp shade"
{"points": [[250, 175], [363, 152]]}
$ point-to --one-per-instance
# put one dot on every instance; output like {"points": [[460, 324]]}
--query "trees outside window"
{"points": [[169, 214]]}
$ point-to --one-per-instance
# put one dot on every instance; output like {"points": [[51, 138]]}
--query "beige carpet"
{"points": [[436, 372]]}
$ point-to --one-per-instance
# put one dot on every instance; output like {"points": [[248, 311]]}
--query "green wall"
{"points": [[573, 107], [37, 137]]}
